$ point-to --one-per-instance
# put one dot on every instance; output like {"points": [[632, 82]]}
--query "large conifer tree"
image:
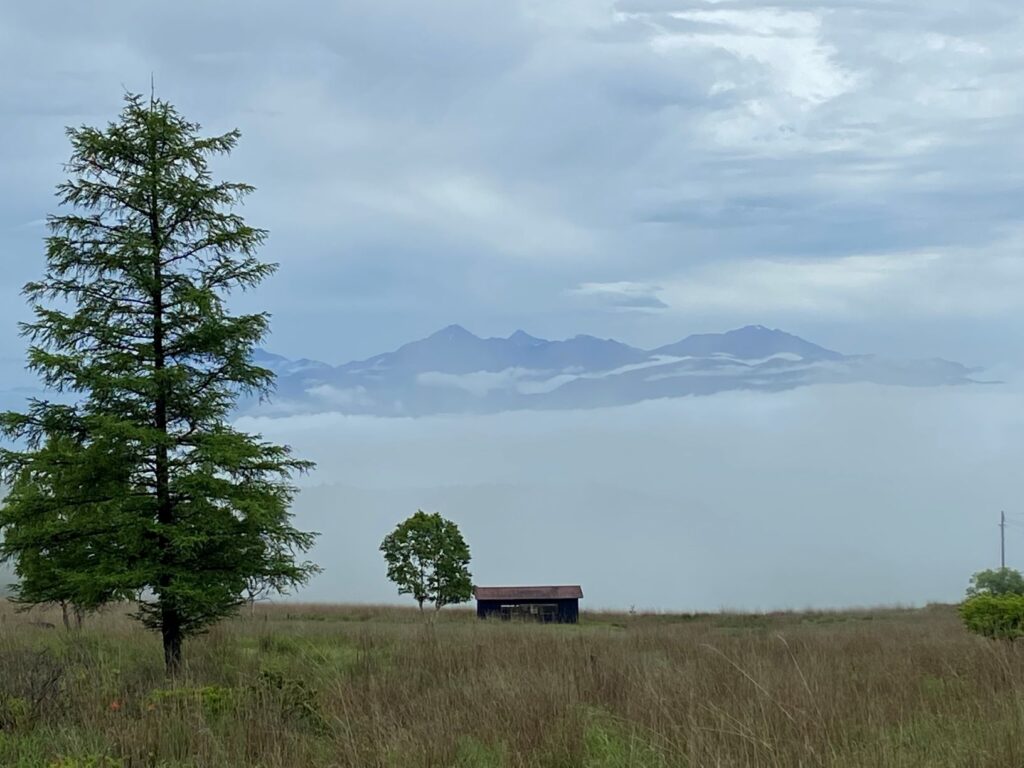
{"points": [[143, 471]]}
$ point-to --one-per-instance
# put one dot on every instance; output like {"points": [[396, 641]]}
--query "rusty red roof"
{"points": [[565, 592]]}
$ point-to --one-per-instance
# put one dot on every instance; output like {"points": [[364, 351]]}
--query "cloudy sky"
{"points": [[850, 171]]}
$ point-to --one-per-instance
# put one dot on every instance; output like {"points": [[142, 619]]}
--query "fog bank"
{"points": [[825, 496]]}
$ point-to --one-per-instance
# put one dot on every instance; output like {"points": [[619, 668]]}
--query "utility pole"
{"points": [[1002, 540]]}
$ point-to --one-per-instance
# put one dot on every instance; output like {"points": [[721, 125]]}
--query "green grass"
{"points": [[365, 686]]}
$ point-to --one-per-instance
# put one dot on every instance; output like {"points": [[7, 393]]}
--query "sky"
{"points": [[849, 171]]}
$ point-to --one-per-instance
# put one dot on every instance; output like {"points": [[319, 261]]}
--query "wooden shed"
{"points": [[559, 604]]}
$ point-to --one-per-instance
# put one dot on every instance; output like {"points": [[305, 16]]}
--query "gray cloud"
{"points": [[422, 163]]}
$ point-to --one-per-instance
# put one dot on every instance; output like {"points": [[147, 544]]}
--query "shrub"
{"points": [[996, 616]]}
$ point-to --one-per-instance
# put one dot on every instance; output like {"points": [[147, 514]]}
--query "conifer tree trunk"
{"points": [[170, 630]]}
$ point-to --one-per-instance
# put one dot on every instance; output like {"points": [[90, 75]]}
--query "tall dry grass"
{"points": [[362, 686]]}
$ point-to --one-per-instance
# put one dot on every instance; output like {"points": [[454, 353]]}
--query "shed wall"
{"points": [[568, 609]]}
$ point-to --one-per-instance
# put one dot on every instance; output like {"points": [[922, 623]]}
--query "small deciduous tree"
{"points": [[996, 581], [428, 559], [132, 323]]}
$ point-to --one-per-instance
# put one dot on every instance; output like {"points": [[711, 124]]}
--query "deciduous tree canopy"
{"points": [[428, 559], [996, 581]]}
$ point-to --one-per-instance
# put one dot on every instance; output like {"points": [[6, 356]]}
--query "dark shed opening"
{"points": [[558, 604]]}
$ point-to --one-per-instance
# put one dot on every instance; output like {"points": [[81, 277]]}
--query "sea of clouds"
{"points": [[827, 496]]}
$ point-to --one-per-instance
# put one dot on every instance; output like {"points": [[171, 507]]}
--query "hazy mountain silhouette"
{"points": [[455, 371]]}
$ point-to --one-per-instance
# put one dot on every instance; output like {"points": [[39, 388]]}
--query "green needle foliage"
{"points": [[58, 559], [141, 488], [428, 559]]}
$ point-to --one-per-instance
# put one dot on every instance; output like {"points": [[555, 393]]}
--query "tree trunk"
{"points": [[64, 616], [170, 631], [170, 619], [78, 617]]}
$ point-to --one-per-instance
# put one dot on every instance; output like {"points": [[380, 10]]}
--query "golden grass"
{"points": [[360, 686]]}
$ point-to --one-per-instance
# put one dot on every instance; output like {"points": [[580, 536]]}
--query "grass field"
{"points": [[306, 685]]}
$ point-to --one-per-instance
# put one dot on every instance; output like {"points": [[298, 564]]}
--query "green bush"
{"points": [[996, 616]]}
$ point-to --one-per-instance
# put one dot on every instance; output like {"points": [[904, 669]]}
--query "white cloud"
{"points": [[788, 44], [621, 295], [479, 383], [525, 381], [954, 282], [341, 397]]}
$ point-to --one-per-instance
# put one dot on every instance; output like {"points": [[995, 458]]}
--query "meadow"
{"points": [[312, 685]]}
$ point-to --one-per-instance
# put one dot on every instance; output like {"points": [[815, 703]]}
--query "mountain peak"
{"points": [[748, 343], [755, 329], [452, 332], [523, 339]]}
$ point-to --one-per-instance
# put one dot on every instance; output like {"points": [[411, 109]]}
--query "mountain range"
{"points": [[454, 371]]}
